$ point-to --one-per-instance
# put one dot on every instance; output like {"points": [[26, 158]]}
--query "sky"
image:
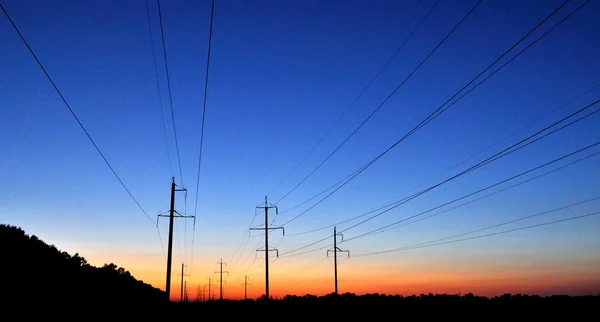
{"points": [[323, 107]]}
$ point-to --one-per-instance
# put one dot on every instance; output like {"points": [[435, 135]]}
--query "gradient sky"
{"points": [[281, 74]]}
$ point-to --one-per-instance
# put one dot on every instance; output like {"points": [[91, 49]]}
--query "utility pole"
{"points": [[336, 250], [171, 216], [245, 286], [182, 283], [209, 283], [266, 207], [185, 292], [221, 278]]}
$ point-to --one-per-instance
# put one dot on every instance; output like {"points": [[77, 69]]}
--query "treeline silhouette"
{"points": [[369, 307], [37, 275], [32, 271]]}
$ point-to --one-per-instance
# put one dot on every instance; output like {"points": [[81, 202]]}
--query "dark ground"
{"points": [[364, 308], [428, 307], [38, 282]]}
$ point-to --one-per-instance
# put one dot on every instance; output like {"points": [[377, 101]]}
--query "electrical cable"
{"points": [[202, 130], [494, 157], [360, 94], [289, 253], [439, 110], [384, 101], [162, 117], [162, 33], [430, 244], [73, 113], [453, 167], [480, 190]]}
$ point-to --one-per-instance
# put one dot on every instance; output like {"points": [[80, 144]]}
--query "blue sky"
{"points": [[281, 74]]}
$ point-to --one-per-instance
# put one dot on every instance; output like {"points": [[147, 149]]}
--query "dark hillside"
{"points": [[428, 307], [33, 271], [39, 282]]}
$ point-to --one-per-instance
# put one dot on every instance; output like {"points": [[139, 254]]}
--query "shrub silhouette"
{"points": [[33, 271]]}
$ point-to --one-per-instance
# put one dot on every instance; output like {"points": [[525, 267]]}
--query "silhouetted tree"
{"points": [[30, 267]]}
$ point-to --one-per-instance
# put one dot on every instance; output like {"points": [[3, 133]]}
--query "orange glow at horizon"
{"points": [[493, 278], [489, 286]]}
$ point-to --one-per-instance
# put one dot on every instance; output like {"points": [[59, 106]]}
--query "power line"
{"points": [[317, 195], [524, 127], [391, 204], [244, 241], [263, 235], [462, 96], [494, 157], [473, 193], [429, 244], [488, 148], [435, 112], [260, 241], [494, 193], [311, 265], [288, 254], [162, 117], [74, 115], [462, 162], [258, 270], [422, 192], [204, 104], [192, 251], [314, 262], [439, 110], [162, 33], [161, 242], [351, 176], [250, 266], [202, 129], [323, 269], [247, 233], [443, 107], [384, 101], [279, 241], [360, 94]]}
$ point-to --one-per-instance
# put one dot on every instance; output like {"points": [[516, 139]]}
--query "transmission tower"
{"points": [[182, 283], [245, 285], [266, 207], [171, 216], [185, 292], [221, 278], [209, 285], [336, 250]]}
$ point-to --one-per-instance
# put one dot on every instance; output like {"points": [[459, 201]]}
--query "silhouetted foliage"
{"points": [[33, 271], [371, 307]]}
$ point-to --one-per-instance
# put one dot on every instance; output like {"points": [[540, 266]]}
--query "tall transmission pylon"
{"points": [[185, 292], [245, 285], [221, 278], [182, 282], [209, 284], [336, 250], [266, 207], [171, 216]]}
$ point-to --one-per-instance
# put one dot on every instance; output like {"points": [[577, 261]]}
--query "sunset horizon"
{"points": [[389, 147]]}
